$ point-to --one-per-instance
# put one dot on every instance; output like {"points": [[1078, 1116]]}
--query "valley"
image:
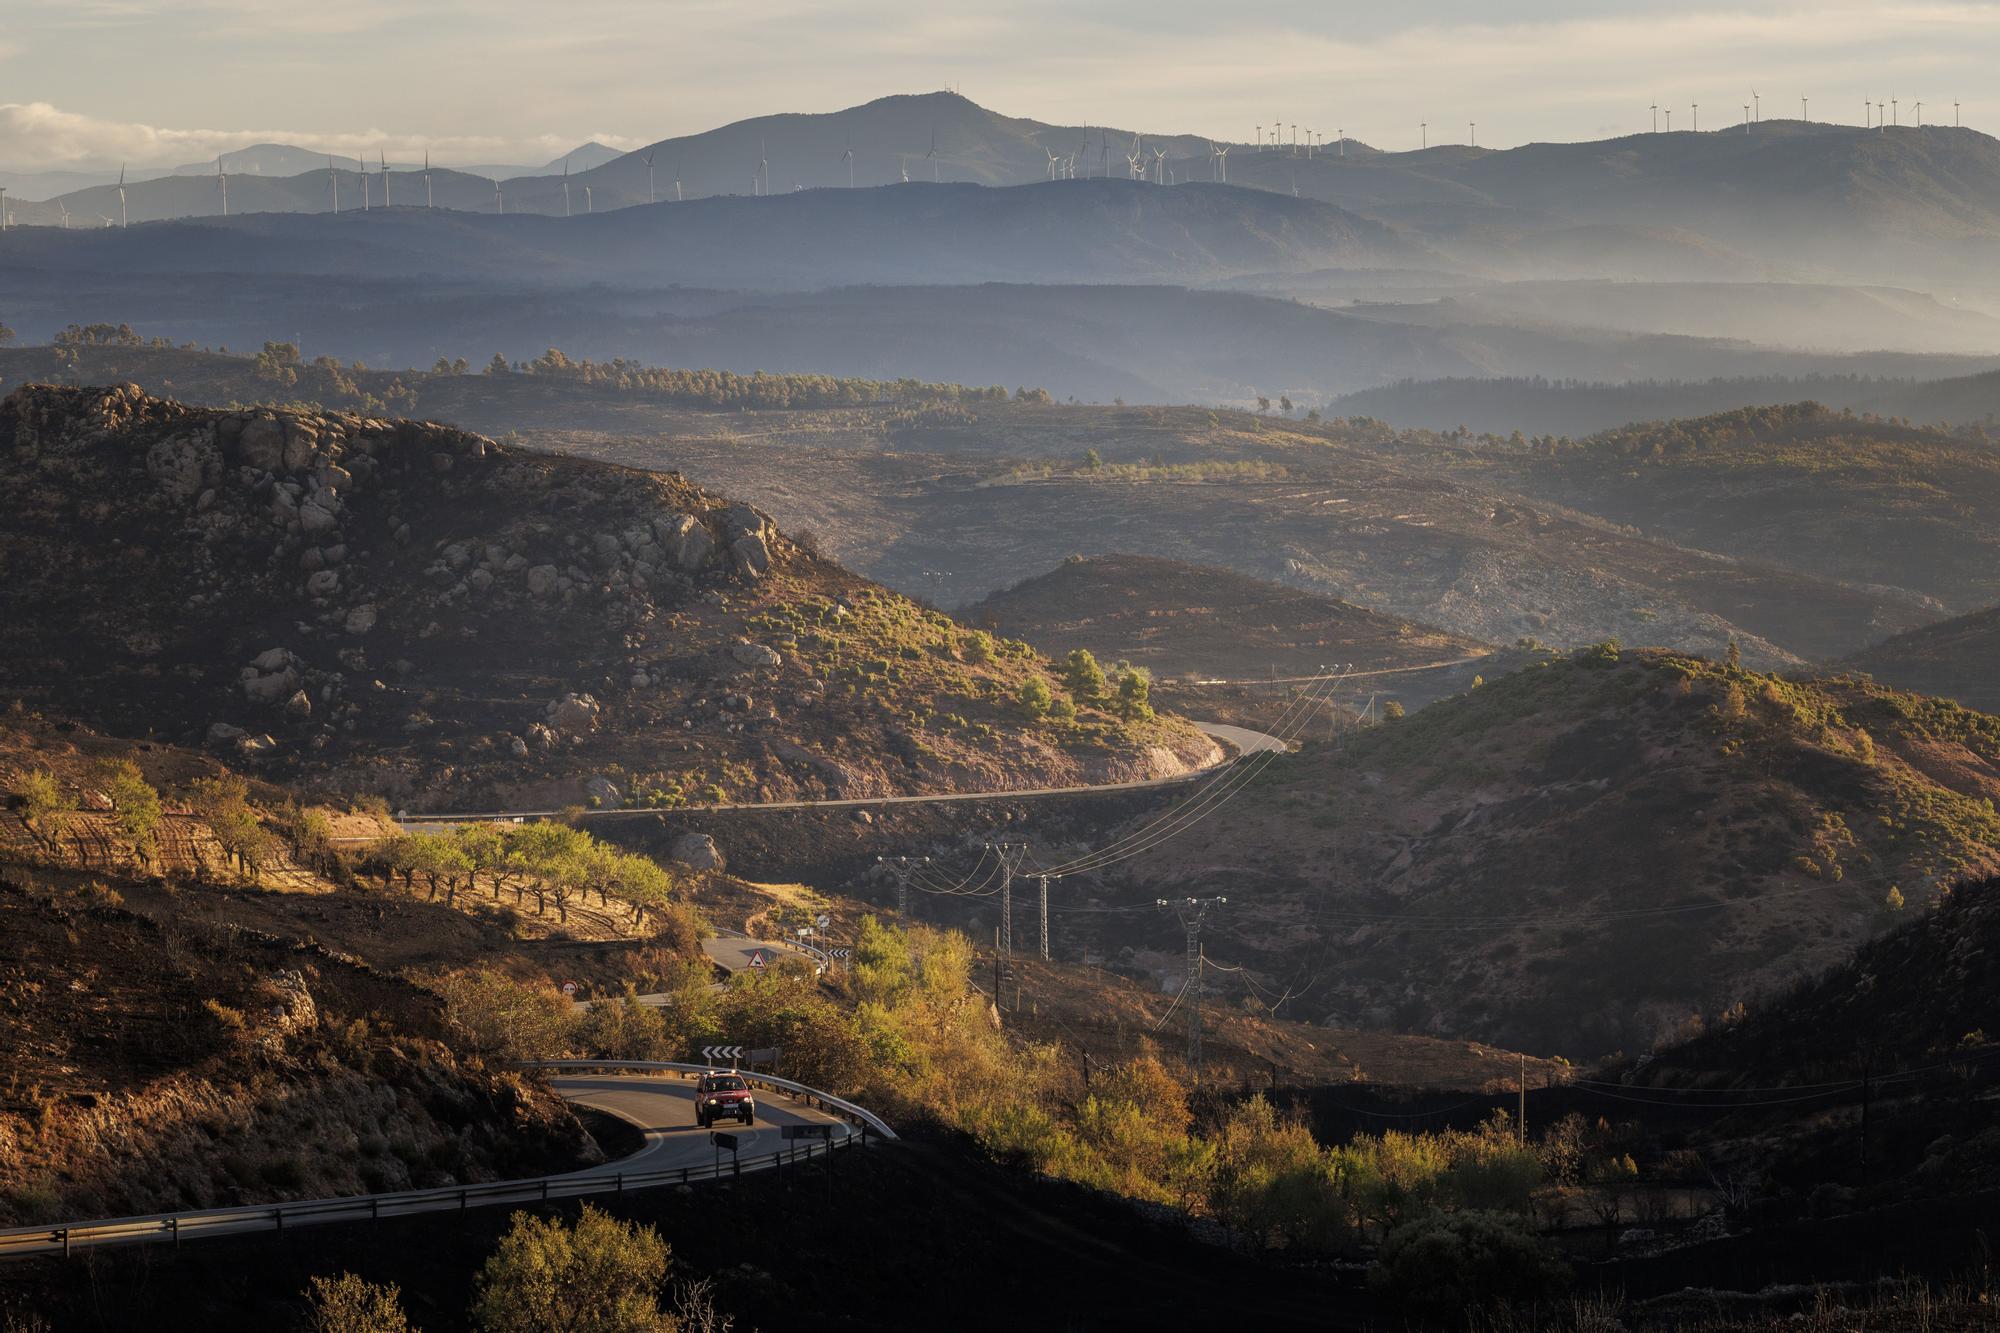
{"points": [[1359, 729]]}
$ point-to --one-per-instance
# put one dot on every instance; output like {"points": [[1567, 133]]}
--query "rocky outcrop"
{"points": [[697, 851], [573, 712], [756, 655]]}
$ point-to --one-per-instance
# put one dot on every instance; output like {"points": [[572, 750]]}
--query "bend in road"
{"points": [[1243, 740], [663, 1109]]}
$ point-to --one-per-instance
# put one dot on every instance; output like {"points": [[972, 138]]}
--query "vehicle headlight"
{"points": [[711, 1101]]}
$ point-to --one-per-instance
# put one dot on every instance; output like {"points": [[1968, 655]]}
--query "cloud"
{"points": [[39, 136]]}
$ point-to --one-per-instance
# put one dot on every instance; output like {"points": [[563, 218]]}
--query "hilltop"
{"points": [[1580, 856], [1952, 658], [1800, 197], [402, 608], [1182, 619], [1866, 500], [158, 1066]]}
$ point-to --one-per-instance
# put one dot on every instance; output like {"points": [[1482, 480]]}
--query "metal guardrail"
{"points": [[196, 1224]]}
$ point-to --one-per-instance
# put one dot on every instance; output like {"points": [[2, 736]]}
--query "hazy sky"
{"points": [[158, 82]]}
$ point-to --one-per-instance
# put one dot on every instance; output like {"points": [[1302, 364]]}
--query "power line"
{"points": [[1010, 855], [1217, 792], [1192, 912], [902, 866]]}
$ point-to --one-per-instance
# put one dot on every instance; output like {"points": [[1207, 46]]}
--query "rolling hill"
{"points": [[1803, 486], [1058, 231], [1907, 205], [1580, 856], [402, 608], [160, 1066], [1954, 659], [1176, 618]]}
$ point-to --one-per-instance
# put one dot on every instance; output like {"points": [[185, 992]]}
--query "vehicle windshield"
{"points": [[726, 1083]]}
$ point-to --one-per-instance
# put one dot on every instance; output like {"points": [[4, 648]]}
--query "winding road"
{"points": [[1242, 740], [663, 1108], [658, 1101]]}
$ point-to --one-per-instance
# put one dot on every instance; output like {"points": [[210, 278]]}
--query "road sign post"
{"points": [[721, 1141]]}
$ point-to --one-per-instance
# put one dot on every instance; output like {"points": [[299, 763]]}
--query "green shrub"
{"points": [[1456, 1263], [1083, 676]]}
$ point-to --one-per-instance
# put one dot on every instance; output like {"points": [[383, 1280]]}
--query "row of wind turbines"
{"points": [[1875, 115]]}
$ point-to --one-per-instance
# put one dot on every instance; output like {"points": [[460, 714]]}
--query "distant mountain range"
{"points": [[1068, 231], [1786, 200], [1802, 198]]}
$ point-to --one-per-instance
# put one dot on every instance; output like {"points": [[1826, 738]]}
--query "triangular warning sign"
{"points": [[756, 958]]}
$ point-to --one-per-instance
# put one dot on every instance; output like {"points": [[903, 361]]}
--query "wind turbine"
{"points": [[1802, 111], [1746, 117], [1341, 135], [848, 158], [379, 157], [1668, 112], [64, 210], [3, 208], [1756, 105], [1954, 113], [1895, 117], [1472, 133], [1868, 114], [932, 155], [332, 184], [1160, 166], [904, 163], [1655, 109], [361, 170], [565, 187], [499, 198], [427, 178], [763, 168], [1424, 129], [1920, 115], [1052, 163], [121, 188], [677, 186], [649, 176], [1697, 118], [589, 202], [222, 183]]}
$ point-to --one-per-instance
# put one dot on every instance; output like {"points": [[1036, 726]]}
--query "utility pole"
{"points": [[1010, 854], [1521, 1129], [902, 870], [1045, 916], [1192, 912]]}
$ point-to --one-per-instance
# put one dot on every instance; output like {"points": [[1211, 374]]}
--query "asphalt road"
{"points": [[729, 949], [660, 1105], [663, 1107]]}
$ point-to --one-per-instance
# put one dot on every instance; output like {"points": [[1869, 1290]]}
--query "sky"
{"points": [[157, 83]]}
